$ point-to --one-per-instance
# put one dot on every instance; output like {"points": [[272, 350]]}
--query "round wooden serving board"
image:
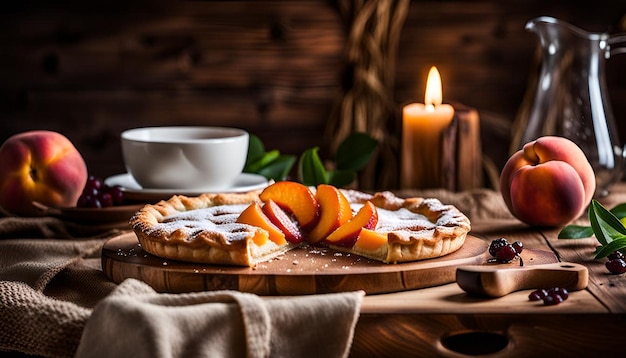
{"points": [[304, 270]]}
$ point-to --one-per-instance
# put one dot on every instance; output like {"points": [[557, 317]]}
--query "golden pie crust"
{"points": [[203, 229]]}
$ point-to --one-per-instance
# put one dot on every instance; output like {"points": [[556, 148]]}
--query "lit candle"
{"points": [[423, 126]]}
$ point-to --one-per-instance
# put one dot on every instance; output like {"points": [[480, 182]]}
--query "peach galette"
{"points": [[248, 228]]}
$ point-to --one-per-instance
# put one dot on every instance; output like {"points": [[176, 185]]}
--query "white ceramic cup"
{"points": [[205, 158]]}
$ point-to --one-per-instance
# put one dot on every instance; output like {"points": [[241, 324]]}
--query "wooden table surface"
{"points": [[445, 321]]}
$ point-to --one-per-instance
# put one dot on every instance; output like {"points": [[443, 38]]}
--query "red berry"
{"points": [[563, 292], [506, 253], [93, 182], [96, 194], [90, 191], [553, 296], [117, 194], [616, 255], [552, 299], [88, 201], [105, 199], [616, 266], [496, 245], [537, 295], [518, 246]]}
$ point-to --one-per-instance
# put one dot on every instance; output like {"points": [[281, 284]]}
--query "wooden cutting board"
{"points": [[305, 270]]}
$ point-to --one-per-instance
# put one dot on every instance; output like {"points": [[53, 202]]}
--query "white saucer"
{"points": [[244, 183]]}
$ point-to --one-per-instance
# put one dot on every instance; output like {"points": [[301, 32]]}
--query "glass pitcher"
{"points": [[569, 96]]}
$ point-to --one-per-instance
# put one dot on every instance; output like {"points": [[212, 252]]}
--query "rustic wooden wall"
{"points": [[92, 69]]}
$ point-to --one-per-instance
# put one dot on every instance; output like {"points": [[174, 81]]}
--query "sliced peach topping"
{"points": [[334, 211], [296, 199], [253, 215], [347, 234], [282, 221], [370, 240], [261, 237]]}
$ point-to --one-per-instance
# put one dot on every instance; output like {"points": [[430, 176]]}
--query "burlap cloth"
{"points": [[55, 301]]}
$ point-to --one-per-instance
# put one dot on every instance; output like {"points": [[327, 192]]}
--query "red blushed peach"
{"points": [[549, 182], [296, 199], [282, 221], [253, 215], [347, 234], [41, 166], [334, 211]]}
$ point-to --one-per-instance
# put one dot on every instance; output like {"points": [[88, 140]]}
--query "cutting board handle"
{"points": [[497, 281]]}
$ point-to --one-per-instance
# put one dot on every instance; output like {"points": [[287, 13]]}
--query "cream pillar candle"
{"points": [[422, 129]]}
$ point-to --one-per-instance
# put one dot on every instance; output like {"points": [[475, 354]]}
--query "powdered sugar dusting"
{"points": [[402, 219], [216, 218], [399, 219]]}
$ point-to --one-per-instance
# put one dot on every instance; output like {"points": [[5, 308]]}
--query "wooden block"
{"points": [[461, 153], [449, 144], [469, 172]]}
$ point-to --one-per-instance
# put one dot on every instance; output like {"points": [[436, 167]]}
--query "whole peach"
{"points": [[41, 166], [549, 182]]}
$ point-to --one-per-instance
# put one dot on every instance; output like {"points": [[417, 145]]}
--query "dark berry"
{"points": [[88, 201], [96, 194], [616, 255], [88, 190], [506, 253], [537, 295], [496, 245], [548, 300], [105, 199], [561, 292], [552, 299], [518, 246], [117, 194], [82, 201], [93, 182], [553, 296], [616, 266]]}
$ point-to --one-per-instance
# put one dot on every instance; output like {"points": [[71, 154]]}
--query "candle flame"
{"points": [[433, 95]]}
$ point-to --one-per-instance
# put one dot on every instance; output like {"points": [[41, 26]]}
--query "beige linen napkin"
{"points": [[135, 321], [47, 289]]}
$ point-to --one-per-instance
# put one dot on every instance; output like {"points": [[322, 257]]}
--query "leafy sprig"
{"points": [[606, 226], [351, 156], [271, 164]]}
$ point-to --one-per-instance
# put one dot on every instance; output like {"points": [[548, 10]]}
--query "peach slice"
{"points": [[282, 221], [253, 215], [347, 234], [370, 240], [296, 199], [261, 237], [334, 211]]}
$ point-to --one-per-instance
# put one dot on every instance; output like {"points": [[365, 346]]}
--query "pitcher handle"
{"points": [[617, 43]]}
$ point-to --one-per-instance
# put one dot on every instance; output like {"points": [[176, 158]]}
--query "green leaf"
{"points": [[255, 149], [341, 178], [263, 161], [619, 211], [279, 168], [355, 151], [576, 232], [311, 171], [604, 224], [618, 243]]}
